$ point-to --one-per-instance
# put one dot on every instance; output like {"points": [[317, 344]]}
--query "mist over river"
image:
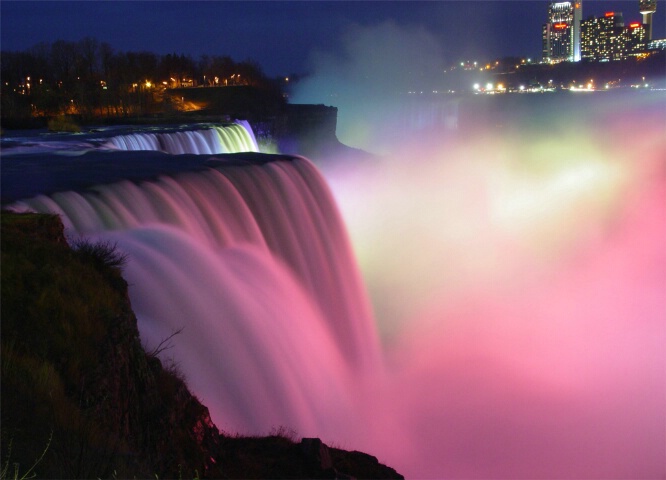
{"points": [[482, 297], [514, 257]]}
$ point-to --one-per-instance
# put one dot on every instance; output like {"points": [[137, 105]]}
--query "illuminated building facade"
{"points": [[601, 37], [647, 9], [659, 44], [606, 38], [635, 39], [561, 32]]}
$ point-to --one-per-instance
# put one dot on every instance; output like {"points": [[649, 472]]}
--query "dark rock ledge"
{"points": [[82, 399]]}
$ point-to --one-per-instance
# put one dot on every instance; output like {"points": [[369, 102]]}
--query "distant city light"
{"points": [[628, 40]]}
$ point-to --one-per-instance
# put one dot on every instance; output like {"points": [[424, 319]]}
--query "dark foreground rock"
{"points": [[82, 399]]}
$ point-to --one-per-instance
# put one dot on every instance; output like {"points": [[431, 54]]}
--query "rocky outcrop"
{"points": [[74, 369], [82, 399]]}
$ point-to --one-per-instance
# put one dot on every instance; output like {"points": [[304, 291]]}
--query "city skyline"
{"points": [[283, 36]]}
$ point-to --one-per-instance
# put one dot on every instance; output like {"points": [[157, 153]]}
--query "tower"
{"points": [[561, 32], [647, 9]]}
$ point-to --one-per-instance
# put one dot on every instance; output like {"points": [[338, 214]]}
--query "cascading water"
{"points": [[232, 138], [253, 264]]}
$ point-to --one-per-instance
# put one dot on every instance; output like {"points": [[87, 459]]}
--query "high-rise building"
{"points": [[606, 38], [647, 9], [561, 32], [635, 38], [610, 35], [590, 47]]}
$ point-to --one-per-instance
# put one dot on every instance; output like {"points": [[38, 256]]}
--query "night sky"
{"points": [[281, 36]]}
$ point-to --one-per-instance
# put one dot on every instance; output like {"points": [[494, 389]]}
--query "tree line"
{"points": [[90, 79]]}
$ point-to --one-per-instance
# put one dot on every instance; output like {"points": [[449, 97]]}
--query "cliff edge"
{"points": [[82, 399]]}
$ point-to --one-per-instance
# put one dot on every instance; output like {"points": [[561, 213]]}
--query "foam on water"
{"points": [[215, 139], [190, 139]]}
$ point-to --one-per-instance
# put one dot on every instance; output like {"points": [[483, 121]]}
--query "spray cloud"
{"points": [[380, 65]]}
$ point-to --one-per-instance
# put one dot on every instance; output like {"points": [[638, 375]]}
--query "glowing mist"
{"points": [[518, 276]]}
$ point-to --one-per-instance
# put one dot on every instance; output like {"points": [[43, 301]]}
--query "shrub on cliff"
{"points": [[102, 254], [105, 258]]}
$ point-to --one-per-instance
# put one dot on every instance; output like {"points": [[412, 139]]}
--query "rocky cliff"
{"points": [[82, 399]]}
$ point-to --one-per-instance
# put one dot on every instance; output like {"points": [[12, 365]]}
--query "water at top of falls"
{"points": [[188, 139], [232, 138], [47, 163]]}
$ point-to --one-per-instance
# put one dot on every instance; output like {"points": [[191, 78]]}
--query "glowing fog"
{"points": [[517, 269], [519, 288]]}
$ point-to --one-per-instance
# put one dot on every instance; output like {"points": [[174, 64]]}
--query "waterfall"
{"points": [[237, 137], [517, 279], [253, 263]]}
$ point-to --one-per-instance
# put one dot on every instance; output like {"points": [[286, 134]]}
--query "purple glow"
{"points": [[518, 283]]}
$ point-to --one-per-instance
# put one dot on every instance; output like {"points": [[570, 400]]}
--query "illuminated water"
{"points": [[515, 265], [216, 139], [253, 264], [197, 138]]}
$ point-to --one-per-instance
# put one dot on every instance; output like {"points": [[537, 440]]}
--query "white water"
{"points": [[254, 265], [215, 139]]}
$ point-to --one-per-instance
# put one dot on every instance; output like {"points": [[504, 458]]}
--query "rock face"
{"points": [[74, 370], [82, 399], [326, 462]]}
